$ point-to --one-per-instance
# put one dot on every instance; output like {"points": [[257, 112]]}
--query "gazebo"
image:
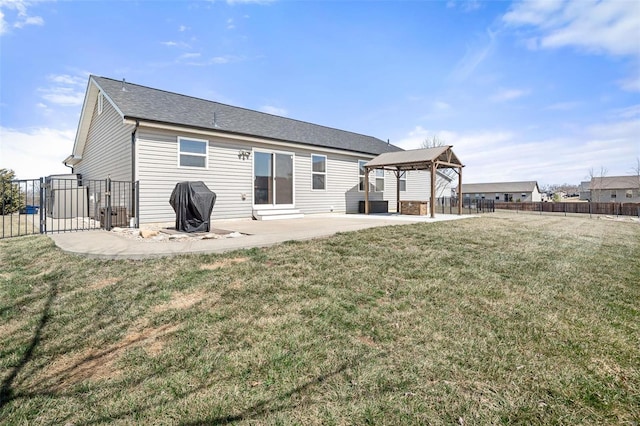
{"points": [[432, 159]]}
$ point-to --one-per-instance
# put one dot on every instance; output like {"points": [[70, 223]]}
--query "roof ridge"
{"points": [[239, 107]]}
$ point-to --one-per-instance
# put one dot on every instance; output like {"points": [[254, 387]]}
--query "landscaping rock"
{"points": [[147, 233]]}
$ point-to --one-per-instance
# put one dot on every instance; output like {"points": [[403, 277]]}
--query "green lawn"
{"points": [[506, 319]]}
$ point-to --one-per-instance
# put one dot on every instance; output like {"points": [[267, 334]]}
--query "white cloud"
{"points": [[183, 28], [608, 26], [563, 106], [20, 16], [178, 44], [230, 24], [533, 12], [66, 90], [466, 5], [474, 56], [190, 55], [509, 95], [4, 27], [441, 106], [502, 155], [34, 153], [29, 20], [631, 84], [632, 111], [225, 59], [270, 109]]}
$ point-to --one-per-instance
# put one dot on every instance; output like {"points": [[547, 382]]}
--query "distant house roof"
{"points": [[146, 104], [498, 187], [615, 182]]}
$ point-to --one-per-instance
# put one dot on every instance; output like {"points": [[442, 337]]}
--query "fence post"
{"points": [[107, 210], [43, 215]]}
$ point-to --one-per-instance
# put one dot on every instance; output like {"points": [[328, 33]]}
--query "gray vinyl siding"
{"points": [[231, 177], [342, 181], [108, 147], [418, 187], [158, 172]]}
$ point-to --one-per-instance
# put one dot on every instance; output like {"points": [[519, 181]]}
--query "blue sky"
{"points": [[542, 90]]}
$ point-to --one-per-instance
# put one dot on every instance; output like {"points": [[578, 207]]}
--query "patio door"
{"points": [[272, 179]]}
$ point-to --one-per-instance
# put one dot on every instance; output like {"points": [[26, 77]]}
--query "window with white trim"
{"points": [[629, 193], [403, 181], [318, 172], [192, 152], [100, 102], [379, 180], [361, 164]]}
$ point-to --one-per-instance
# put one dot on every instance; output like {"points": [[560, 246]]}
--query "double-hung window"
{"points": [[403, 181], [379, 177], [192, 152], [379, 180], [361, 164], [318, 172]]}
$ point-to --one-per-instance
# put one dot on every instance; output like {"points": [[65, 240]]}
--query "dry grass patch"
{"points": [[102, 363], [11, 327], [103, 283], [223, 263], [181, 300]]}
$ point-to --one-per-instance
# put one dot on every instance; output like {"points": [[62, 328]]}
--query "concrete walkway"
{"points": [[110, 245]]}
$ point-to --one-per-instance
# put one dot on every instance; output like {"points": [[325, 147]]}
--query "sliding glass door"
{"points": [[272, 178]]}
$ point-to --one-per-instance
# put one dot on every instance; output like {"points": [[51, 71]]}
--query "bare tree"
{"points": [[441, 181], [597, 182]]}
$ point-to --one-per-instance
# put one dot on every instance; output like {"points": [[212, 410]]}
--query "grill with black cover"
{"points": [[193, 203]]}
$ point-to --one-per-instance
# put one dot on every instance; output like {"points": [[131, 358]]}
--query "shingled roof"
{"points": [[499, 187], [146, 104], [615, 182]]}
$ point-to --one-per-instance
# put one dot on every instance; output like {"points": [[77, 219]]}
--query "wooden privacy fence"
{"points": [[614, 209]]}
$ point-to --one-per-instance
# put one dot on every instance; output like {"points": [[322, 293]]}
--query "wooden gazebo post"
{"points": [[434, 166], [366, 190], [397, 173], [459, 191]]}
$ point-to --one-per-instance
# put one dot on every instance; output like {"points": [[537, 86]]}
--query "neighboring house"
{"points": [[503, 191], [620, 189], [584, 190], [256, 163]]}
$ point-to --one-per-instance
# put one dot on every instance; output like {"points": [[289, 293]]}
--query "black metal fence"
{"points": [[52, 204], [469, 205], [609, 209]]}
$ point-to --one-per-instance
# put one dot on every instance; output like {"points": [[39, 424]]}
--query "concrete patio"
{"points": [[112, 245]]}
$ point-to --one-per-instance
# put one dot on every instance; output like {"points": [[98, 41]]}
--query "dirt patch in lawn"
{"points": [[95, 364]]}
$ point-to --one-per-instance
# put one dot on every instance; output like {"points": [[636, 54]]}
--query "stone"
{"points": [[147, 233]]}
